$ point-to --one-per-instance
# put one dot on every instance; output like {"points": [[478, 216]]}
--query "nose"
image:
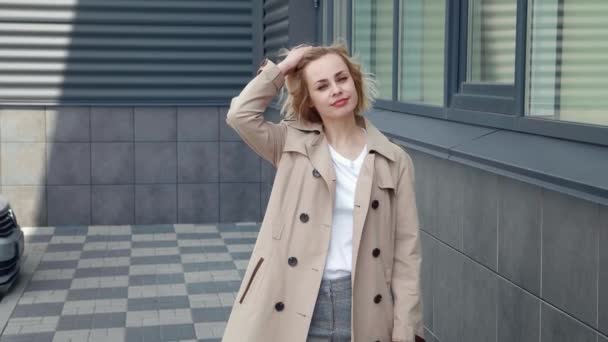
{"points": [[336, 90]]}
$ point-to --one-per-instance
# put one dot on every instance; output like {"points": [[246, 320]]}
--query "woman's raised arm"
{"points": [[246, 110]]}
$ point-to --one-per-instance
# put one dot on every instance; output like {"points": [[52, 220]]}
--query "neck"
{"points": [[343, 131]]}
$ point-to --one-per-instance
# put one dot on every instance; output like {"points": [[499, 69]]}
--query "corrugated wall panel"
{"points": [[99, 51], [276, 26]]}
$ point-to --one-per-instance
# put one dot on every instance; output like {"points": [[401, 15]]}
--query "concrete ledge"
{"points": [[573, 168]]}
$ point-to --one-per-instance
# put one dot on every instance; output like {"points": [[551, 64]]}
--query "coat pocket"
{"points": [[255, 271]]}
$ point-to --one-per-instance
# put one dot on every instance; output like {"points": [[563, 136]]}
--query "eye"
{"points": [[342, 79], [322, 87]]}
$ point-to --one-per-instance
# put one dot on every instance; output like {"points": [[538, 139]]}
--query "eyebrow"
{"points": [[325, 80]]}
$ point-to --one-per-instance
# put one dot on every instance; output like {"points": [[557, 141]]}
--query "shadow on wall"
{"points": [[102, 157], [135, 130]]}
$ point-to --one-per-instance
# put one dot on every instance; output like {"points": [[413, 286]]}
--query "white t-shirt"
{"points": [[339, 258]]}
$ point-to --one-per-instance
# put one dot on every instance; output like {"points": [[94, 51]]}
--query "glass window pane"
{"points": [[568, 67], [491, 41], [373, 40], [326, 36], [421, 55], [334, 20], [340, 16]]}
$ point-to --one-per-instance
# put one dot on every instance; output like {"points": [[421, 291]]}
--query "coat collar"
{"points": [[376, 141]]}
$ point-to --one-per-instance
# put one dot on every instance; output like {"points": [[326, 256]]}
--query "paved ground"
{"points": [[127, 283]]}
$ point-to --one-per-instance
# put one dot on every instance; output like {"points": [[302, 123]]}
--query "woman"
{"points": [[337, 257]]}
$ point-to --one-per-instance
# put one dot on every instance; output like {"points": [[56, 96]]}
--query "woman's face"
{"points": [[331, 87]]}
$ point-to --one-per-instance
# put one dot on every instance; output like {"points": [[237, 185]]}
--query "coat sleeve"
{"points": [[407, 323], [245, 115]]}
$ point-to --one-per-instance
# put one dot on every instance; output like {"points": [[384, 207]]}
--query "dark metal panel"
{"points": [[481, 118], [105, 51], [276, 29], [488, 89], [257, 30], [484, 103], [303, 22], [411, 108], [349, 25], [328, 14], [452, 57], [551, 161], [277, 11], [274, 5], [435, 134], [520, 56], [276, 26], [396, 74], [463, 24], [566, 130]]}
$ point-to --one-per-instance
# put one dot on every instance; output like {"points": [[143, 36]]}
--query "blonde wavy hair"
{"points": [[295, 97]]}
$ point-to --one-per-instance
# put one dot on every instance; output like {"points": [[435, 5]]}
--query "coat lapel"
{"points": [[316, 149], [376, 141], [318, 153]]}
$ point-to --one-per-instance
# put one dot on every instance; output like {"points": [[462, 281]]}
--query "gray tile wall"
{"points": [[129, 165], [512, 261]]}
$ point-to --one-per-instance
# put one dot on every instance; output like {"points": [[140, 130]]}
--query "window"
{"points": [[336, 21], [421, 51], [491, 45], [373, 41], [536, 66], [340, 20], [486, 56], [568, 66]]}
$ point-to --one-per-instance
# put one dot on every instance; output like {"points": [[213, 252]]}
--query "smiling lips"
{"points": [[340, 103]]}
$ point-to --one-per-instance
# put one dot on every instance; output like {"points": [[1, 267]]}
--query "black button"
{"points": [[304, 217], [376, 252], [377, 299], [316, 173], [375, 204], [292, 261], [279, 306]]}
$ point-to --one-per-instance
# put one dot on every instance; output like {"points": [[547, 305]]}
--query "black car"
{"points": [[11, 246]]}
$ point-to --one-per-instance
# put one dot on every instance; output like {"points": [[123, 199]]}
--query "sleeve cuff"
{"points": [[272, 73]]}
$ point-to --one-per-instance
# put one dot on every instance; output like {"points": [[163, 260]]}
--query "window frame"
{"points": [[474, 107], [480, 96]]}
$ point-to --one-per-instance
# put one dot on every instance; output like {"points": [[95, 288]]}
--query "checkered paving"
{"points": [[132, 283]]}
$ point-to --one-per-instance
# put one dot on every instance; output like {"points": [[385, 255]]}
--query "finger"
{"points": [[301, 46]]}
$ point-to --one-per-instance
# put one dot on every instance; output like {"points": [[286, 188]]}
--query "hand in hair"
{"points": [[293, 58]]}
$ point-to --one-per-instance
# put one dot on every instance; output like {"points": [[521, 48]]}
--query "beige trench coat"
{"points": [[276, 299]]}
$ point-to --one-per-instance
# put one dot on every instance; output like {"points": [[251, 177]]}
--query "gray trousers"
{"points": [[331, 316]]}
